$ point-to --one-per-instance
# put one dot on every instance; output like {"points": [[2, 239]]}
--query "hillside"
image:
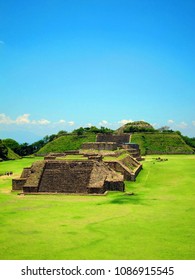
{"points": [[12, 155], [137, 126], [161, 143], [67, 142], [151, 141], [6, 153]]}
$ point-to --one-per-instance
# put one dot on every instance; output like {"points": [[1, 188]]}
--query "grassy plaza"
{"points": [[156, 222]]}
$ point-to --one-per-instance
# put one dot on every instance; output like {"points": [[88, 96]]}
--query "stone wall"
{"points": [[72, 152], [60, 176], [133, 149], [49, 157], [119, 139], [109, 146], [26, 172], [28, 189], [79, 177], [137, 170], [128, 166], [129, 146], [119, 167], [56, 154], [130, 162], [96, 190], [65, 177], [34, 177], [18, 184], [115, 186], [95, 157]]}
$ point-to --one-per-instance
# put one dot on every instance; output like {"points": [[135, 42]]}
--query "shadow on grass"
{"points": [[126, 199]]}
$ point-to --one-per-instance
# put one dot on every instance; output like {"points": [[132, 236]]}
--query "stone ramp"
{"points": [[128, 166], [34, 176], [29, 179], [103, 175]]}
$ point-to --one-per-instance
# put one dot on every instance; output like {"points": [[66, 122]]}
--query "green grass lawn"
{"points": [[67, 142], [157, 222], [162, 143]]}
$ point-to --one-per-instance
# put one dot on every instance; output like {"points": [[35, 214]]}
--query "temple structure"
{"points": [[90, 175]]}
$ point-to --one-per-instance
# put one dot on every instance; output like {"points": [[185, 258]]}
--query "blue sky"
{"points": [[71, 63]]}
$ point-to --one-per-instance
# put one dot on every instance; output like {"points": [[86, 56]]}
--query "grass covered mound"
{"points": [[137, 126], [11, 155], [157, 222], [161, 143], [6, 153], [67, 142]]}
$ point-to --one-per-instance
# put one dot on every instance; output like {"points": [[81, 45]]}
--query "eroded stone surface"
{"points": [[71, 177]]}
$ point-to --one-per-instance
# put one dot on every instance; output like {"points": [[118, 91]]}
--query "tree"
{"points": [[189, 141], [12, 144], [131, 129], [26, 149], [163, 128], [37, 145], [46, 139], [49, 138], [62, 133], [3, 150], [94, 129], [105, 130], [52, 137], [80, 131], [178, 132]]}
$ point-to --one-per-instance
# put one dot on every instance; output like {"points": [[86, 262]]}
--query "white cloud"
{"points": [[21, 120], [89, 125], [61, 121], [170, 121], [183, 125], [24, 119], [43, 122], [193, 123], [71, 123], [104, 122], [123, 122], [5, 119]]}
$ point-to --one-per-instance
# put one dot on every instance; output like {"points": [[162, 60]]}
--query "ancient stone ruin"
{"points": [[99, 146], [112, 142], [116, 138], [87, 177], [90, 175]]}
